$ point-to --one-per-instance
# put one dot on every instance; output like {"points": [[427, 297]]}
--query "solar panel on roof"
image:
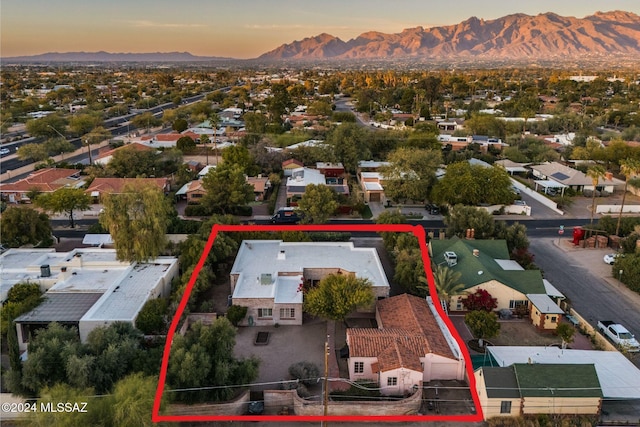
{"points": [[560, 175]]}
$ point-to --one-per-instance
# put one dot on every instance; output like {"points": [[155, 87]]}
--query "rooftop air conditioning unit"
{"points": [[451, 258]]}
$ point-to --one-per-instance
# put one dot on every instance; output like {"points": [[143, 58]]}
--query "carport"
{"points": [[547, 184]]}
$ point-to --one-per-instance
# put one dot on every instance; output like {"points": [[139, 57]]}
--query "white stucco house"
{"points": [[85, 288], [267, 275], [411, 345]]}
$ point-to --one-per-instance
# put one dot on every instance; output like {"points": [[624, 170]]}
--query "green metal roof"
{"points": [[557, 380], [483, 268]]}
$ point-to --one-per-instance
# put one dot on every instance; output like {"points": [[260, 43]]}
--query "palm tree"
{"points": [[595, 172], [629, 167], [446, 281], [214, 119]]}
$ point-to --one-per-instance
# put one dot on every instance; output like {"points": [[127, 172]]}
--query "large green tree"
{"points": [[137, 220], [127, 162], [462, 218], [47, 126], [411, 173], [337, 295], [349, 143], [226, 188], [317, 204], [24, 226], [65, 200], [85, 122], [468, 184], [204, 357]]}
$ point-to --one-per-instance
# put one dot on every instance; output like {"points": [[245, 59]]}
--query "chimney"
{"points": [[282, 255], [476, 253]]}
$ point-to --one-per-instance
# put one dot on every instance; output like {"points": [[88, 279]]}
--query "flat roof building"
{"points": [[86, 288], [268, 275]]}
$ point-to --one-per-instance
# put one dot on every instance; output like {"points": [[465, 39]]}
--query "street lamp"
{"points": [[61, 135], [620, 275]]}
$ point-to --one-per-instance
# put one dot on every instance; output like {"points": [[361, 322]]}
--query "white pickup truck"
{"points": [[619, 335]]}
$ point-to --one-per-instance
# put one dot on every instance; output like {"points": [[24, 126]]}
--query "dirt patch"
{"points": [[523, 333]]}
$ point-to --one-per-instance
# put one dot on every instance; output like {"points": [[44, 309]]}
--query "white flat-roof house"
{"points": [[267, 275], [86, 288]]}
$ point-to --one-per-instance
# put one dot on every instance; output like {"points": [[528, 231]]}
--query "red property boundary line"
{"points": [[418, 231]]}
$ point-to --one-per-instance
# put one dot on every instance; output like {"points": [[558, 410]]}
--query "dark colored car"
{"points": [[286, 216]]}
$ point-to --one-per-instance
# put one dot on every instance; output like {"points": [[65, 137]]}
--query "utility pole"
{"points": [[326, 381]]}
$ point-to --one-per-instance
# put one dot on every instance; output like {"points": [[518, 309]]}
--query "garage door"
{"points": [[374, 197]]}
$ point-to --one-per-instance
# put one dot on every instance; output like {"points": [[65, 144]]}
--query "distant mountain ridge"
{"points": [[113, 57], [546, 35]]}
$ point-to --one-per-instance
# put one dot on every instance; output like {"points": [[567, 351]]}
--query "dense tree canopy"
{"points": [[24, 226], [137, 220], [461, 218], [204, 357], [317, 204], [337, 295], [349, 143], [468, 184], [411, 173], [226, 188]]}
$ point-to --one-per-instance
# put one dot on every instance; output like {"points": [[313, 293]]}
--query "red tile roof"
{"points": [[394, 348], [295, 162], [407, 331], [134, 146], [413, 313], [45, 180]]}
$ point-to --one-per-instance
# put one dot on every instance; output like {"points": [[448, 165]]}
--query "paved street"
{"points": [[588, 282]]}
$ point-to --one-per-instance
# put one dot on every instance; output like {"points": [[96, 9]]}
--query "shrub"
{"points": [[306, 372], [236, 313], [151, 319], [241, 210], [196, 210]]}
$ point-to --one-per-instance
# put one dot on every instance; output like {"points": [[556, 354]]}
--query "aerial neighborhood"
{"points": [[521, 303]]}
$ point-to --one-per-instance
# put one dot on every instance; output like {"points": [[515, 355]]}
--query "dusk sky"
{"points": [[241, 29]]}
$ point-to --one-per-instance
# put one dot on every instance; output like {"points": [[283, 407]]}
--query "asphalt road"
{"points": [[592, 296]]}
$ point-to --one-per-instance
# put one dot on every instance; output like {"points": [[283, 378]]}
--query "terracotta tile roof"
{"points": [[258, 183], [45, 180], [295, 162], [394, 348], [168, 137], [115, 185], [195, 186], [412, 313], [134, 146]]}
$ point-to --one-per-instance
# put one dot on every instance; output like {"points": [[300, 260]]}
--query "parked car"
{"points": [[4, 151], [611, 258], [286, 216], [520, 203], [619, 335], [515, 189], [433, 209]]}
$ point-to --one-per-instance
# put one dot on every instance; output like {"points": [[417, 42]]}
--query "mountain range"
{"points": [[113, 57], [517, 36], [545, 35]]}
